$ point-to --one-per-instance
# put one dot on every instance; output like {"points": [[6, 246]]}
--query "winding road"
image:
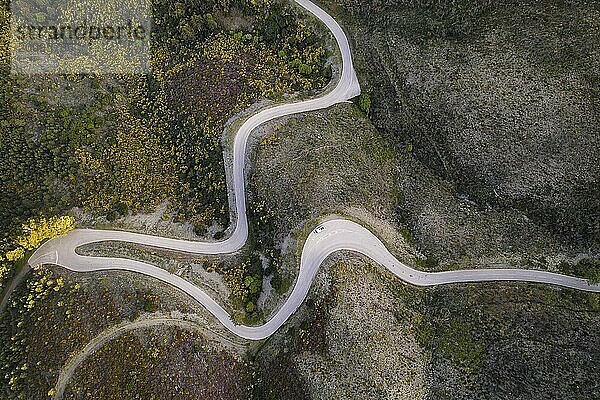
{"points": [[338, 234]]}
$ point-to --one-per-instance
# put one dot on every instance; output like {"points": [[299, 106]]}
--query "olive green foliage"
{"points": [[429, 263], [364, 102], [262, 220], [244, 281], [423, 331], [454, 338], [587, 268], [512, 340], [457, 344], [114, 144], [450, 81]]}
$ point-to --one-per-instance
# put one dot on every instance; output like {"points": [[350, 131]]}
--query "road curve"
{"points": [[339, 234], [346, 88]]}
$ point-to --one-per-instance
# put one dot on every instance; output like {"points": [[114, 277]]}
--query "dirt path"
{"points": [[109, 334], [13, 284]]}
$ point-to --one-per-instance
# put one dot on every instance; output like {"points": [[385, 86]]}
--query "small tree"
{"points": [[210, 22], [364, 102]]}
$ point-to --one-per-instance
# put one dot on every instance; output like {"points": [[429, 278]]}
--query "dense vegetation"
{"points": [[587, 268], [493, 107], [113, 144], [119, 144], [496, 340], [244, 281], [34, 344], [167, 363], [53, 314], [261, 260], [512, 340]]}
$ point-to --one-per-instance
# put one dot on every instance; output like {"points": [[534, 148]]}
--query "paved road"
{"points": [[338, 234]]}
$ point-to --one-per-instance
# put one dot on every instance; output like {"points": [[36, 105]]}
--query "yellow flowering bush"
{"points": [[15, 254], [34, 233]]}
